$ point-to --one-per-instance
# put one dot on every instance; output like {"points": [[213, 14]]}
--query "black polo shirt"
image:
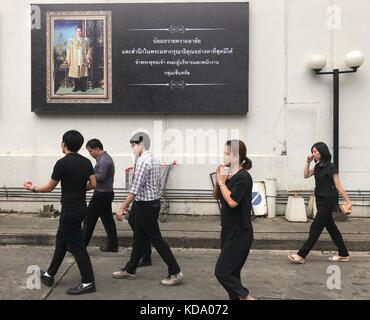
{"points": [[240, 185], [73, 171], [325, 186]]}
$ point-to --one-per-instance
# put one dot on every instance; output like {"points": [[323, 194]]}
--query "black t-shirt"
{"points": [[240, 185], [73, 171], [325, 186]]}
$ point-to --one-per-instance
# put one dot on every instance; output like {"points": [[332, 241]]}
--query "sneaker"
{"points": [[173, 279], [46, 280], [123, 274]]}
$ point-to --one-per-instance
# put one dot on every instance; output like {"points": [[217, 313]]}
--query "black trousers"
{"points": [[147, 255], [324, 219], [146, 227], [69, 237], [80, 84], [100, 206], [235, 246]]}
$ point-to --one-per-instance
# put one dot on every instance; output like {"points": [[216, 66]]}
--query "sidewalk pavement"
{"points": [[191, 232], [268, 275]]}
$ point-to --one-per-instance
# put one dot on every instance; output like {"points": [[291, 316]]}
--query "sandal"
{"points": [[295, 258], [339, 259]]}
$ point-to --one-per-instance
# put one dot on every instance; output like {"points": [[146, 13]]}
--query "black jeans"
{"points": [[100, 206], [147, 255], [146, 227], [324, 218], [235, 246], [69, 236]]}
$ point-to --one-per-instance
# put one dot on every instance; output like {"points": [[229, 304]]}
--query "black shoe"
{"points": [[46, 280], [81, 290], [144, 263], [108, 249]]}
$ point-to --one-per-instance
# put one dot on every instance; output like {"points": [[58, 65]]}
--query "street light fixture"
{"points": [[354, 60]]}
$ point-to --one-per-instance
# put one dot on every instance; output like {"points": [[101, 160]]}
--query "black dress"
{"points": [[236, 234]]}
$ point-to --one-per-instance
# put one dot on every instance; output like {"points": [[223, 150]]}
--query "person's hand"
{"points": [[28, 185], [121, 212], [346, 208], [221, 175], [310, 158], [349, 205]]}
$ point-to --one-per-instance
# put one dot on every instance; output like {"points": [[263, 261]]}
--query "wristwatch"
{"points": [[34, 189]]}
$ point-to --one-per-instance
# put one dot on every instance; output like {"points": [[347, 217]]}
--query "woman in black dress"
{"points": [[234, 189], [326, 192]]}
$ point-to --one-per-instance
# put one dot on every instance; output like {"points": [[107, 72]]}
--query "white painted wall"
{"points": [[290, 108]]}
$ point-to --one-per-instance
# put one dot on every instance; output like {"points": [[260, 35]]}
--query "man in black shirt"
{"points": [[76, 175]]}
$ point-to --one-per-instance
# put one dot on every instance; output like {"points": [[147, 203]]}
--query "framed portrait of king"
{"points": [[130, 58], [78, 57]]}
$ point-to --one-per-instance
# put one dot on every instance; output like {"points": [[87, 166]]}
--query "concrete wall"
{"points": [[290, 108]]}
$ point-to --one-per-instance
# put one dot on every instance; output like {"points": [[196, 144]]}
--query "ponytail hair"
{"points": [[238, 148], [247, 163]]}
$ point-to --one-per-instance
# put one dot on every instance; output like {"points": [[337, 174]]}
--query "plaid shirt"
{"points": [[146, 182]]}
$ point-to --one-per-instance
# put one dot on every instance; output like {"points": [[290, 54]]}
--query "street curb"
{"points": [[192, 242]]}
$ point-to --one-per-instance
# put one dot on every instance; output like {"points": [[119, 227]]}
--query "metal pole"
{"points": [[336, 117]]}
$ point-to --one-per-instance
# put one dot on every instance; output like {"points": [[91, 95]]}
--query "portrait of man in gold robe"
{"points": [[79, 57]]}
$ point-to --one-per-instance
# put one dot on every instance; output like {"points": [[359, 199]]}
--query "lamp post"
{"points": [[354, 60]]}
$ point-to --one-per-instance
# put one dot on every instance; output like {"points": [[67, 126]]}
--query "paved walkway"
{"points": [[191, 232], [267, 274]]}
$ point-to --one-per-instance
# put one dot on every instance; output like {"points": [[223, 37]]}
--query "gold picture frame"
{"points": [[84, 38]]}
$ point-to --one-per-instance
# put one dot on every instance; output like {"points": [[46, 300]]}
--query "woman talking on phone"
{"points": [[327, 186], [234, 189]]}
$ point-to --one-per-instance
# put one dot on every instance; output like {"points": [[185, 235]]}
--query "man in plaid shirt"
{"points": [[145, 195]]}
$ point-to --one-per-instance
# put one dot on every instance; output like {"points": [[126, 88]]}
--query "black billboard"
{"points": [[140, 57]]}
